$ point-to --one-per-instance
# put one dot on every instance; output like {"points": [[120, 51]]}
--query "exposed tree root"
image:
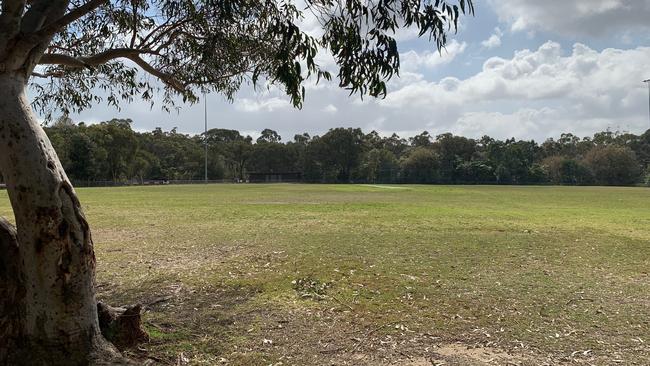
{"points": [[121, 326], [106, 354]]}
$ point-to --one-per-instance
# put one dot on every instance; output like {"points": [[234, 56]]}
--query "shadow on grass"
{"points": [[193, 324]]}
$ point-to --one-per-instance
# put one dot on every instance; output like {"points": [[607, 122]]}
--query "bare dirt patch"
{"points": [[303, 336], [232, 326], [463, 355]]}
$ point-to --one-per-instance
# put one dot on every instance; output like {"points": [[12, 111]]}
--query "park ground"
{"points": [[378, 275]]}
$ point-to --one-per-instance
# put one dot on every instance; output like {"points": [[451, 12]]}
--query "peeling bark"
{"points": [[48, 311]]}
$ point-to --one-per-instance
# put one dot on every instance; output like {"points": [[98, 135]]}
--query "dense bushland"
{"points": [[113, 151]]}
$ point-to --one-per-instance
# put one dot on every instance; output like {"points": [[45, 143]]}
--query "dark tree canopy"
{"points": [[121, 47], [111, 151]]}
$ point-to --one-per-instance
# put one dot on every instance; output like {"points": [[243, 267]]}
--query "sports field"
{"points": [[373, 275]]}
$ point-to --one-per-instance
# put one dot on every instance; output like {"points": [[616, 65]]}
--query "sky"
{"points": [[527, 69]]}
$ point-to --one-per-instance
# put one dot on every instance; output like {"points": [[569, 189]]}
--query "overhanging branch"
{"points": [[89, 61], [106, 56], [52, 74], [59, 59], [164, 77], [70, 17]]}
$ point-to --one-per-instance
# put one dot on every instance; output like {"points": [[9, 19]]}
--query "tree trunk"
{"points": [[12, 289], [47, 266]]}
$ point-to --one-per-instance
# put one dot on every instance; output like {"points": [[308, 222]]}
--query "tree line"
{"points": [[113, 151]]}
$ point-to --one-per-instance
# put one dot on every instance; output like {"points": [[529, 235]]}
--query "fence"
{"points": [[110, 183]]}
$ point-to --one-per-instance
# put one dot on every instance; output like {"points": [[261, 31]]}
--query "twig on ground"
{"points": [[157, 300], [341, 302], [369, 334]]}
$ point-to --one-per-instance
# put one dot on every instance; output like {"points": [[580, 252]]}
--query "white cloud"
{"points": [[527, 123], [267, 105], [540, 75], [535, 92], [576, 17], [405, 78], [413, 60], [494, 40], [520, 124], [330, 108]]}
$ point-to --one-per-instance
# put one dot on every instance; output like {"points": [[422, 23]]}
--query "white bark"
{"points": [[58, 314], [48, 312]]}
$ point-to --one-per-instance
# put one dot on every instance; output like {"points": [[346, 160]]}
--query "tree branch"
{"points": [[12, 11], [153, 32], [39, 13], [134, 6], [217, 79], [53, 74], [146, 42], [59, 59], [164, 77], [89, 61], [104, 57], [70, 17]]}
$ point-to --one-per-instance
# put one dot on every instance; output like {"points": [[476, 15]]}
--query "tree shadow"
{"points": [[184, 321]]}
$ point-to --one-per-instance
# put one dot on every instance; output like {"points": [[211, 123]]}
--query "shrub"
{"points": [[613, 165]]}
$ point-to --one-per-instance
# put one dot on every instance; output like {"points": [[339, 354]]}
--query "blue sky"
{"points": [[528, 69]]}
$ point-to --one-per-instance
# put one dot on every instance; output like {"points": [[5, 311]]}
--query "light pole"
{"points": [[648, 83], [205, 139]]}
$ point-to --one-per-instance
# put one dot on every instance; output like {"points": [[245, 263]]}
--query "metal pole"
{"points": [[648, 83], [205, 139]]}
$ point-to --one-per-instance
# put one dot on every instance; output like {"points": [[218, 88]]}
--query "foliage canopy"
{"points": [[208, 45]]}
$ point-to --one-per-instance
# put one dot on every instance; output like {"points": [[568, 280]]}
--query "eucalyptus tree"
{"points": [[75, 53], [341, 151], [269, 136]]}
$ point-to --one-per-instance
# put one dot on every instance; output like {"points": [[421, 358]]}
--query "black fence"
{"points": [[110, 183], [283, 177]]}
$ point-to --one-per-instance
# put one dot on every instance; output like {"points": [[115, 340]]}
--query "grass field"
{"points": [[354, 274]]}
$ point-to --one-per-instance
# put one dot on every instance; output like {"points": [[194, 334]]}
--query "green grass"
{"points": [[545, 272]]}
